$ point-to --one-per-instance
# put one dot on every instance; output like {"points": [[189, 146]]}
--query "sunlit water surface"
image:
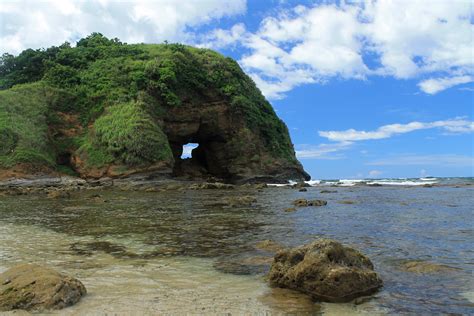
{"points": [[177, 252]]}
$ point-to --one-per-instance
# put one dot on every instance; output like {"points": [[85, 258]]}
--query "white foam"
{"points": [[313, 182], [407, 183]]}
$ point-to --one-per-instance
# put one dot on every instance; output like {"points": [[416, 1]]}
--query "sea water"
{"points": [[186, 252]]}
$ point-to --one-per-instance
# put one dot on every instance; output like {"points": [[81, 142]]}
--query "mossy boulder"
{"points": [[37, 288], [133, 109], [325, 270]]}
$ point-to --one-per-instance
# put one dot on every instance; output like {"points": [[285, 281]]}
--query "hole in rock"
{"points": [[189, 161], [187, 150]]}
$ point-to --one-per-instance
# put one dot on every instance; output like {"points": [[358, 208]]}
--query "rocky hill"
{"points": [[105, 108]]}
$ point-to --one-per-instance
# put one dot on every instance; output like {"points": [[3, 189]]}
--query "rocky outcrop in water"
{"points": [[32, 287], [326, 270]]}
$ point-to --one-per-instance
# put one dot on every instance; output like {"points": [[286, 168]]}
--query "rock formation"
{"points": [[325, 270], [32, 287], [108, 109]]}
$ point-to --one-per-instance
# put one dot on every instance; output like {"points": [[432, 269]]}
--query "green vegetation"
{"points": [[119, 92], [127, 133], [23, 127]]}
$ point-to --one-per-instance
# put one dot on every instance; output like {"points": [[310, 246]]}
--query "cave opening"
{"points": [[189, 160]]}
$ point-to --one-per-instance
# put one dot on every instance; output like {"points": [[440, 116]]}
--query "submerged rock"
{"points": [[245, 200], [346, 202], [326, 270], [88, 249], [58, 194], [269, 245], [211, 186], [426, 267], [305, 202], [328, 191], [33, 287]]}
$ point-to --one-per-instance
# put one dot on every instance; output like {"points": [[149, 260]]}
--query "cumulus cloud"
{"points": [[457, 125], [356, 40], [37, 24]]}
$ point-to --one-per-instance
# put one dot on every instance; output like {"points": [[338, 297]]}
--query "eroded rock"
{"points": [[33, 287], [326, 270]]}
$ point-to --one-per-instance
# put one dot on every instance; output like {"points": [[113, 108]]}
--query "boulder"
{"points": [[33, 287], [325, 270]]}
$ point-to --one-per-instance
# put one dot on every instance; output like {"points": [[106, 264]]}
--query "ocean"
{"points": [[186, 252]]}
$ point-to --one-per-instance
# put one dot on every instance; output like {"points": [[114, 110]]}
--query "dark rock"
{"points": [[328, 191], [326, 270], [32, 287], [303, 190], [301, 184]]}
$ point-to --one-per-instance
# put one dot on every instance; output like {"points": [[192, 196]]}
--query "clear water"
{"points": [[178, 252]]}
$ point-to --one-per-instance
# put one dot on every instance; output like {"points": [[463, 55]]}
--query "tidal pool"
{"points": [[187, 252]]}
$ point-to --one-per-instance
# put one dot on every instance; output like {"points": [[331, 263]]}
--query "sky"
{"points": [[368, 89]]}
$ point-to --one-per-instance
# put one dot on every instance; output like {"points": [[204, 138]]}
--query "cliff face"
{"points": [[105, 108]]}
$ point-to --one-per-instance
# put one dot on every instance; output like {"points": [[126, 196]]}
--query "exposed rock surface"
{"points": [[32, 287], [326, 270]]}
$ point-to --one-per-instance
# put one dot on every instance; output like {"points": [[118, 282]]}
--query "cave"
{"points": [[208, 129]]}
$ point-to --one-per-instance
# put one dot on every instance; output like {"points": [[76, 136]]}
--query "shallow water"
{"points": [[179, 252]]}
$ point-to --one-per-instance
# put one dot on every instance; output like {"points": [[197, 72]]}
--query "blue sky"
{"points": [[367, 89]]}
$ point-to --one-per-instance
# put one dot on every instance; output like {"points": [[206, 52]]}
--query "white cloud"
{"points": [[219, 38], [344, 140], [322, 151], [457, 125], [445, 160], [433, 86], [403, 39], [37, 24]]}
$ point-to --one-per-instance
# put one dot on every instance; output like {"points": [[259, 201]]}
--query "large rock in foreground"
{"points": [[326, 270], [32, 287]]}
